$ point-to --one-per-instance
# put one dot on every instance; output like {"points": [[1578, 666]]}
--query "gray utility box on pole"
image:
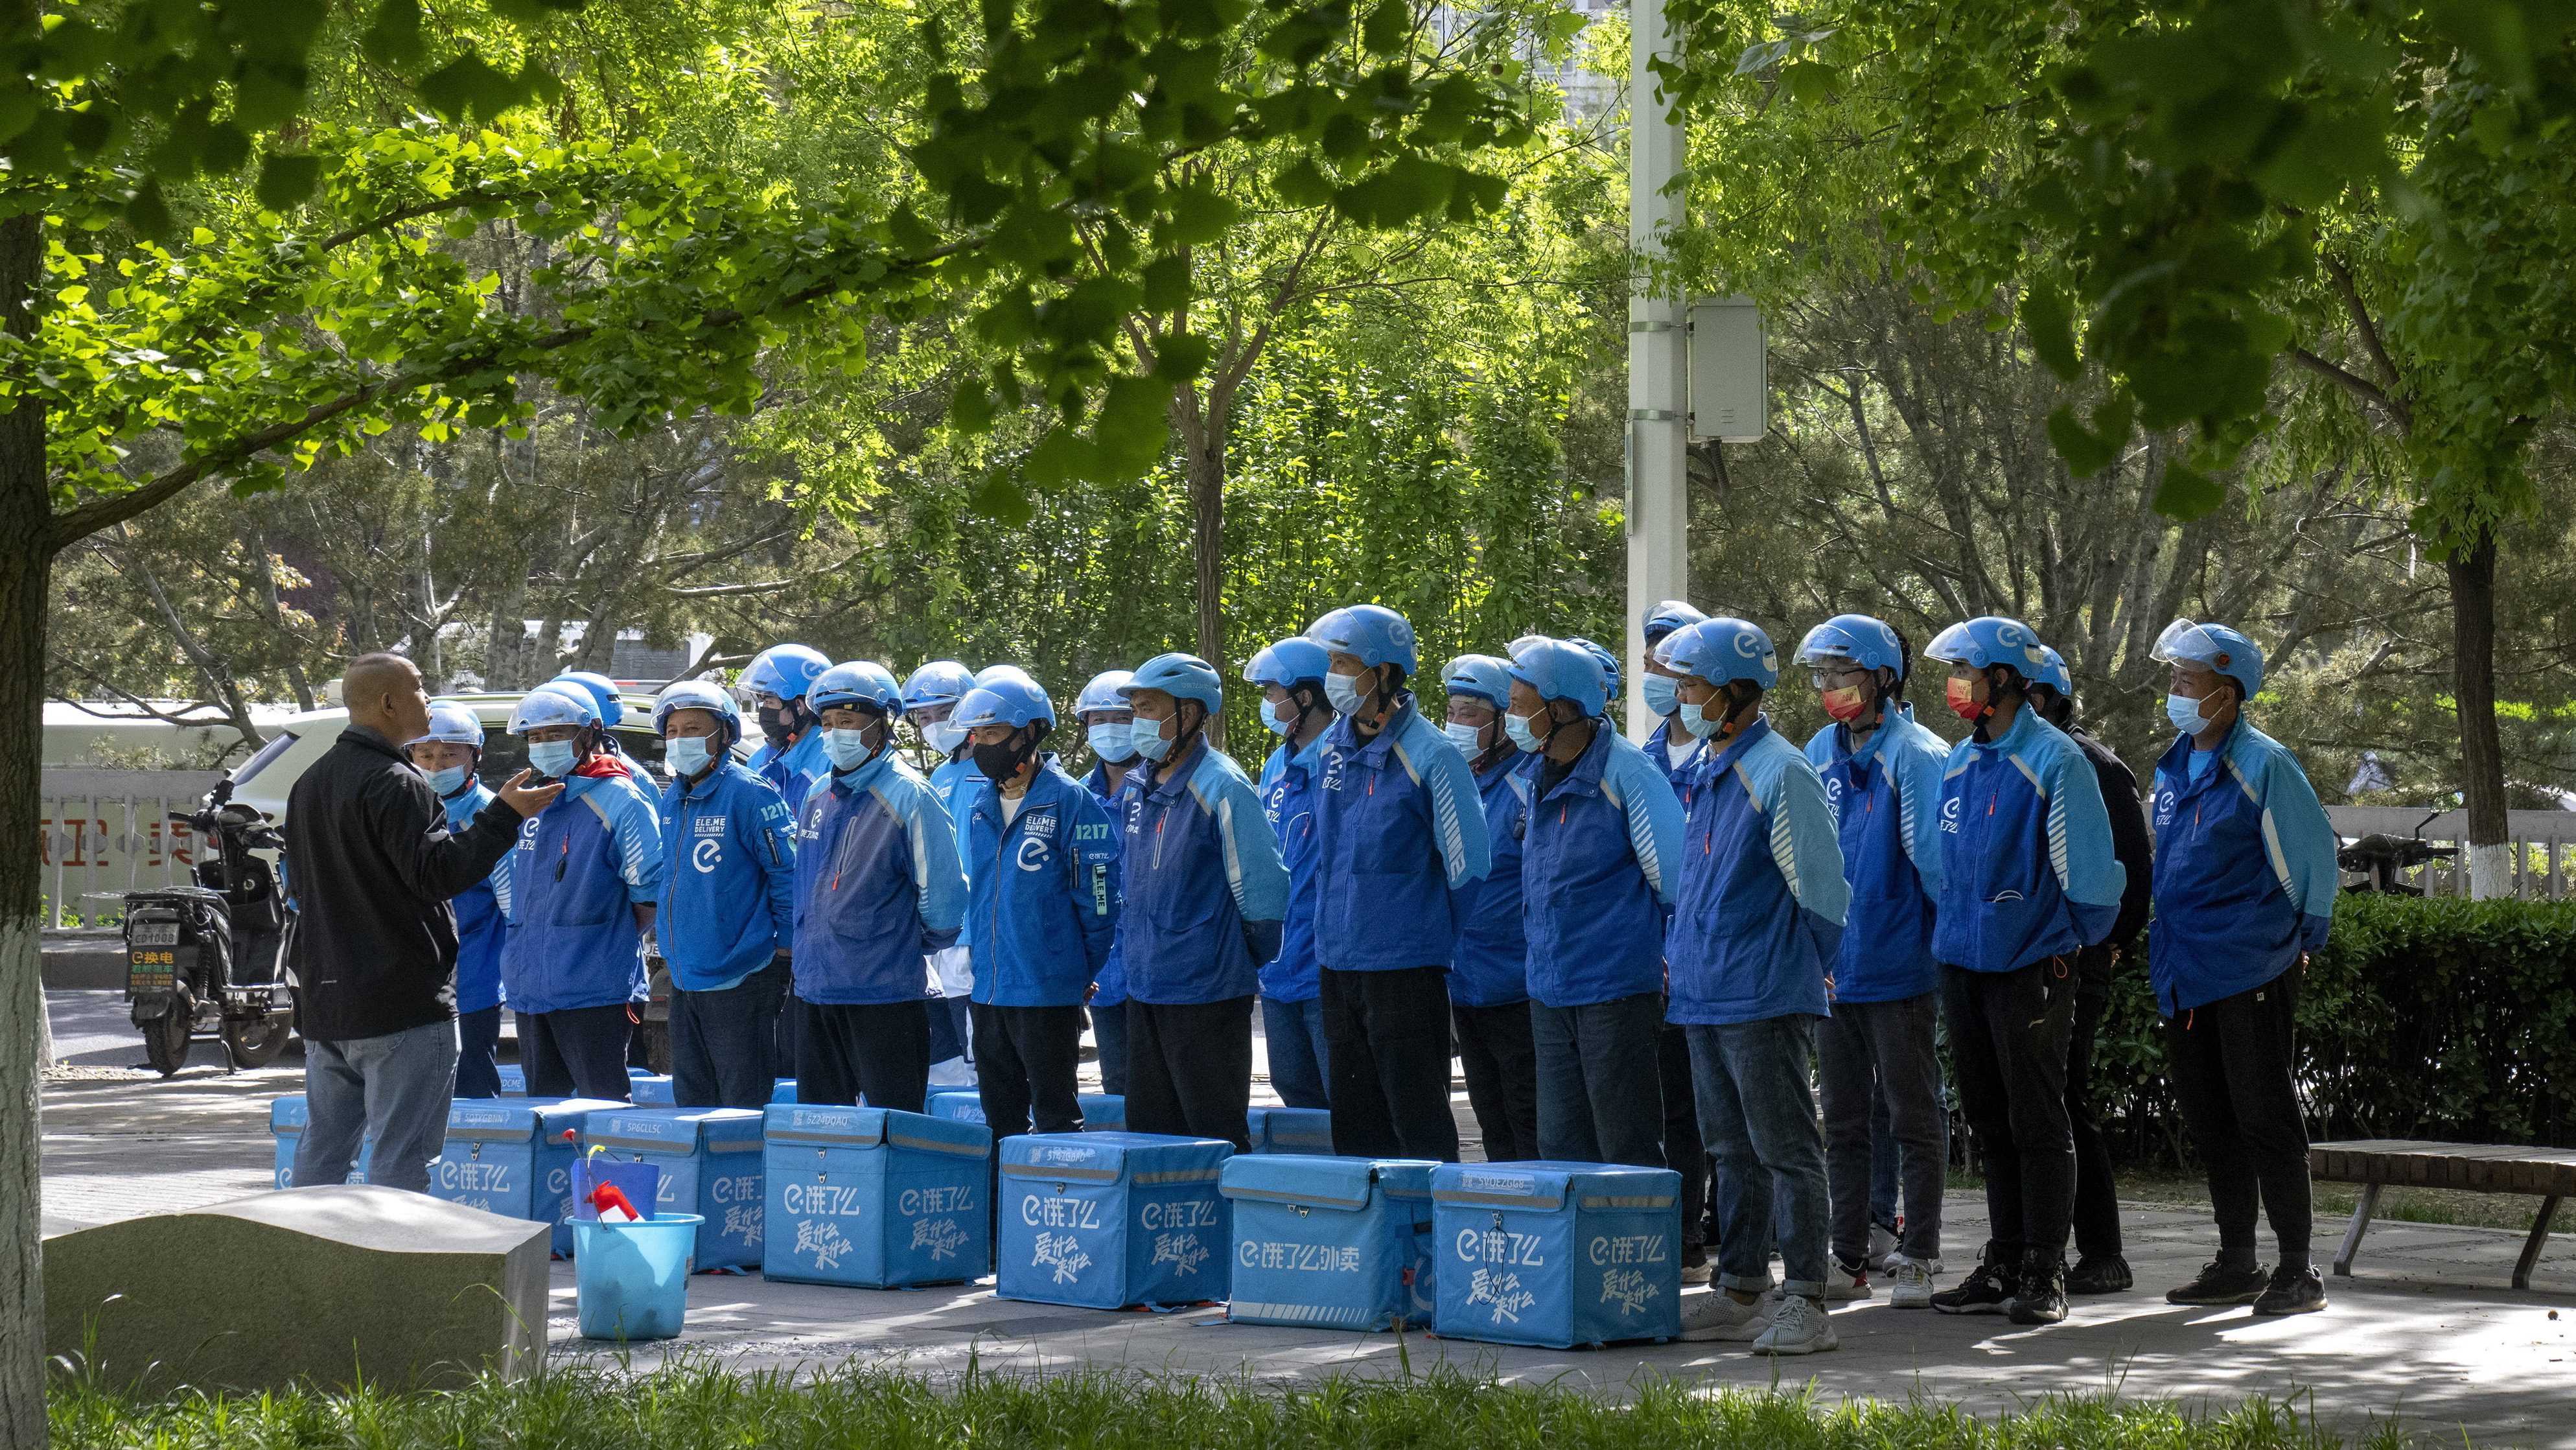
{"points": [[1730, 392]]}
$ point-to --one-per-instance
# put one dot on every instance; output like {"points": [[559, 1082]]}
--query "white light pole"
{"points": [[1658, 506]]}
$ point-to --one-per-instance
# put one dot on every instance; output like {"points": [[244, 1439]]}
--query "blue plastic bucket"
{"points": [[632, 1279]]}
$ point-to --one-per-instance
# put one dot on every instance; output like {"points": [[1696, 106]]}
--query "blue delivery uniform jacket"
{"points": [[1042, 891], [2245, 870], [1659, 754], [580, 867], [877, 885], [1110, 987], [1399, 829], [728, 878], [1886, 799], [1594, 894], [794, 771], [2027, 871], [1491, 968], [1288, 800], [956, 782], [1759, 915], [482, 912], [1206, 890]]}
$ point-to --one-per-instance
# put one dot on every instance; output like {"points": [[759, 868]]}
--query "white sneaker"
{"points": [[1716, 1315], [1882, 1246], [1842, 1286], [1800, 1327], [1699, 1273], [1909, 1282]]}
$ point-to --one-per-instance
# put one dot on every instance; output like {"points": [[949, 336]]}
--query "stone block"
{"points": [[324, 1286]]}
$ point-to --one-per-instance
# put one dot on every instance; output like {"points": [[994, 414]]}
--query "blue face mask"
{"points": [[451, 780], [1518, 728], [1114, 742], [553, 758], [1663, 694], [1343, 691], [1147, 737], [1270, 719], [2184, 712], [1468, 738], [846, 749], [686, 754], [1697, 723]]}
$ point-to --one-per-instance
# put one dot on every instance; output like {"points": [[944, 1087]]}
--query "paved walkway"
{"points": [[2428, 1331]]}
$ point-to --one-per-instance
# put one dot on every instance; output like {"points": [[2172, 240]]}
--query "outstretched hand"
{"points": [[527, 800]]}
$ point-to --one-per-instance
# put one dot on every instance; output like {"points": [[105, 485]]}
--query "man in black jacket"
{"points": [[372, 867], [2101, 1267]]}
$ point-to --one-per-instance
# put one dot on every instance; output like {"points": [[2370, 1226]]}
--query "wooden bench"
{"points": [[2376, 1163]]}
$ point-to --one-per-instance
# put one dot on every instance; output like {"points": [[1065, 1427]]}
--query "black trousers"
{"points": [[577, 1053], [1189, 1069], [2232, 1061], [2008, 1039], [478, 1039], [876, 1050], [2097, 1201], [1386, 1049], [1684, 1150], [1502, 1077], [724, 1045], [1026, 1063]]}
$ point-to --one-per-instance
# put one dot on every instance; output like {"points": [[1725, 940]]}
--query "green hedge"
{"points": [[2422, 1019]]}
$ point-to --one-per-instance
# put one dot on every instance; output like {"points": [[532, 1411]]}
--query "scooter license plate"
{"points": [[154, 934]]}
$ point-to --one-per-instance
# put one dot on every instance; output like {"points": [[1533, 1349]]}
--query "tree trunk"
{"points": [[2472, 573], [1207, 547], [25, 565]]}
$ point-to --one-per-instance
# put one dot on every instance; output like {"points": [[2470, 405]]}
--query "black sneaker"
{"points": [[1984, 1292], [2293, 1291], [2040, 1296], [2109, 1275], [2219, 1284]]}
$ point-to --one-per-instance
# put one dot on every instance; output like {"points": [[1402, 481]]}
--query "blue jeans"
{"points": [[1600, 1093], [1759, 1113], [724, 1044], [394, 1089], [1294, 1034]]}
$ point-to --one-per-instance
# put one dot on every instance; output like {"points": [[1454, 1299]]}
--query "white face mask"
{"points": [[1468, 738], [943, 737], [1278, 724], [1343, 691]]}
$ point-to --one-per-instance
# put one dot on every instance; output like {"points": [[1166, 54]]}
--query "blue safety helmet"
{"points": [[991, 673], [1008, 699], [1287, 662], [454, 724], [1989, 640], [937, 683], [860, 682], [1666, 617], [1562, 669], [603, 690], [1102, 692], [1376, 634], [553, 703], [1483, 676], [1609, 662], [784, 670], [1722, 650], [699, 695], [1869, 643], [1183, 677], [2053, 672], [2212, 647]]}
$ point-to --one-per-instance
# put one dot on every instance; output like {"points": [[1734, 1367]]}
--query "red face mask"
{"points": [[1845, 704], [1961, 696]]}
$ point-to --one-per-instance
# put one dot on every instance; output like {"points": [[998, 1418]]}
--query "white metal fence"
{"points": [[107, 832]]}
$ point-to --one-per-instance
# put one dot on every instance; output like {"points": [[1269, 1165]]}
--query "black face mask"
{"points": [[781, 724], [1000, 762]]}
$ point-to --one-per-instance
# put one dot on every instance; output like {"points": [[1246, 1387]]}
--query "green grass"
{"points": [[701, 1407]]}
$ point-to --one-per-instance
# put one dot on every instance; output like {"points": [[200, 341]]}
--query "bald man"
{"points": [[372, 865]]}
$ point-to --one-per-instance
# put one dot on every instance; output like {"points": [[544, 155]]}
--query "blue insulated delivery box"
{"points": [[876, 1198], [1343, 1243], [783, 1090], [649, 1090], [1556, 1254], [710, 1162], [1291, 1130], [1105, 1220], [513, 1157], [286, 1120], [514, 1080], [1101, 1112]]}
